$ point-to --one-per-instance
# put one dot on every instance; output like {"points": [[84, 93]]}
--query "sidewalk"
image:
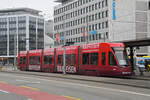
{"points": [[134, 81], [145, 76]]}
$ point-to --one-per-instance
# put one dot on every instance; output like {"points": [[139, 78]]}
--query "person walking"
{"points": [[141, 66]]}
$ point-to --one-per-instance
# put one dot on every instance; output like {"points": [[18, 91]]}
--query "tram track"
{"points": [[126, 81]]}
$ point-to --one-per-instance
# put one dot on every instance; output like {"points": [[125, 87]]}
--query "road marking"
{"points": [[29, 99], [73, 98], [27, 81], [83, 85], [29, 88], [2, 82], [4, 91]]}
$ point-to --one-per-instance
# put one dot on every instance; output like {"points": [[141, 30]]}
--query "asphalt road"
{"points": [[4, 95], [71, 89]]}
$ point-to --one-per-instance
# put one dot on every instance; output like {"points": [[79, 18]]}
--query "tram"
{"points": [[98, 59]]}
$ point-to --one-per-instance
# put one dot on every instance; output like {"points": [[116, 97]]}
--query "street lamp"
{"points": [[15, 50], [87, 29], [64, 53]]}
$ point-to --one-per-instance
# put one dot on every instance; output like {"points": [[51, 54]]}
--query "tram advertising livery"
{"points": [[98, 59]]}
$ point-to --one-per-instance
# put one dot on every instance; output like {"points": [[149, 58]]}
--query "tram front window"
{"points": [[121, 56]]}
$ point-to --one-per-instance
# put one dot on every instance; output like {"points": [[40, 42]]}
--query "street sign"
{"points": [[93, 32]]}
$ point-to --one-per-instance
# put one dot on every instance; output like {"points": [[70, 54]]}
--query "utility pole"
{"points": [[104, 38], [64, 53], [15, 50], [87, 29]]}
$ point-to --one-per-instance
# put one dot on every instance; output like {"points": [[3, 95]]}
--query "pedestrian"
{"points": [[141, 66]]}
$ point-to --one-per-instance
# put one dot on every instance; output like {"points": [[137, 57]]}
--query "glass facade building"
{"points": [[21, 29]]}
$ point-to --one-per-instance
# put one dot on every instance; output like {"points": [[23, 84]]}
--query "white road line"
{"points": [[4, 91], [27, 81], [82, 85], [29, 99]]}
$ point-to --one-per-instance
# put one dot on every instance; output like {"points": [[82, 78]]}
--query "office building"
{"points": [[20, 29], [90, 21]]}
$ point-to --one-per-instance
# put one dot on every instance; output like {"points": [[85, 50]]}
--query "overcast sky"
{"points": [[46, 6]]}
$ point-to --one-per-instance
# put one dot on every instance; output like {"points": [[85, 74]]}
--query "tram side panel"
{"points": [[35, 60], [48, 60], [105, 59], [72, 59], [23, 60], [90, 59], [114, 60]]}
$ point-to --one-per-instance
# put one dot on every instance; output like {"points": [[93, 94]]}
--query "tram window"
{"points": [[45, 59], [30, 60], [73, 59], [34, 60], [103, 58], [85, 59], [50, 59], [21, 60], [38, 59], [60, 59], [94, 58], [112, 60], [24, 60], [67, 59]]}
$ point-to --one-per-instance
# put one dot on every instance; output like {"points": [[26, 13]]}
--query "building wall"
{"points": [[131, 22], [17, 34], [123, 26], [74, 20], [49, 28]]}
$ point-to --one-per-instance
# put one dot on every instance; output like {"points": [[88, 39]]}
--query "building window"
{"points": [[89, 27], [103, 25], [106, 24], [92, 17], [95, 26], [96, 16], [96, 6], [99, 15], [99, 25], [92, 27], [99, 36], [86, 9], [92, 7], [106, 3], [89, 18], [99, 5], [102, 14], [102, 4], [89, 8], [106, 13]]}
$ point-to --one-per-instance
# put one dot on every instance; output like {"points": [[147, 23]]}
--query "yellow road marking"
{"points": [[30, 88], [73, 98], [2, 82]]}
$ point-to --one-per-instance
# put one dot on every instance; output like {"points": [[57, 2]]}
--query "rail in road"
{"points": [[118, 81], [71, 89]]}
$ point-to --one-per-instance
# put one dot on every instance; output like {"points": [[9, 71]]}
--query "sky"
{"points": [[46, 6]]}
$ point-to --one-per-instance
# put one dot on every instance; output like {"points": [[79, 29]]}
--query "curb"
{"points": [[82, 79]]}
